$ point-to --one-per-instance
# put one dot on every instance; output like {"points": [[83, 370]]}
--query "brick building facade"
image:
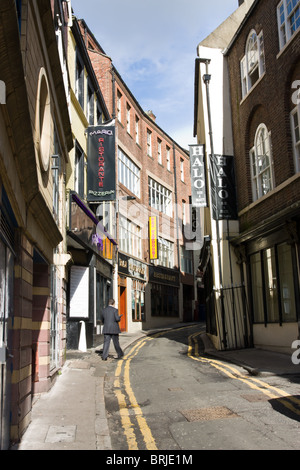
{"points": [[264, 66], [160, 291]]}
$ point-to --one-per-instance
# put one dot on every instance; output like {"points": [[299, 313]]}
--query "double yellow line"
{"points": [[128, 401], [254, 383]]}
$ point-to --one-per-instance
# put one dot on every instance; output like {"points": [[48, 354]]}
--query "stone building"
{"points": [[34, 145]]}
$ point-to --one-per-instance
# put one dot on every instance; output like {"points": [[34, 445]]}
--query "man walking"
{"points": [[110, 319]]}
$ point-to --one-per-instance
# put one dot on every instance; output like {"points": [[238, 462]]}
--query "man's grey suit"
{"points": [[110, 319]]}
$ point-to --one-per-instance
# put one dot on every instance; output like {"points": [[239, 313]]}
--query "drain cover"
{"points": [[206, 414], [61, 434]]}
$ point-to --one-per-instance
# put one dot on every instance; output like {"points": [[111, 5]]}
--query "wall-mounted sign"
{"points": [[163, 276], [198, 175], [131, 267], [223, 187], [153, 232], [101, 175]]}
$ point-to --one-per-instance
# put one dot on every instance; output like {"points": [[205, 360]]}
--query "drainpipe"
{"points": [[206, 79]]}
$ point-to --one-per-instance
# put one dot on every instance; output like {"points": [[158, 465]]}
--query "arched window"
{"points": [[295, 124], [253, 62], [261, 163]]}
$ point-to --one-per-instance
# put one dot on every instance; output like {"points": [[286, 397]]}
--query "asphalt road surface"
{"points": [[166, 395]]}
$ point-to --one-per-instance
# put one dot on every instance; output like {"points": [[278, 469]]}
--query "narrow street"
{"points": [[165, 395]]}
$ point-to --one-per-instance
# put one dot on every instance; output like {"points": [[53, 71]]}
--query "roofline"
{"points": [[145, 115], [237, 33], [78, 37]]}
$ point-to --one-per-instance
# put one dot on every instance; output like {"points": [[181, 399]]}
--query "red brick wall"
{"points": [[269, 102], [102, 67]]}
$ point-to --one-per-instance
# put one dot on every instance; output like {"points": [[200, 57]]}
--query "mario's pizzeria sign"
{"points": [[101, 176]]}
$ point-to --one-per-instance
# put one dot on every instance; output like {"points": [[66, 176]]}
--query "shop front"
{"points": [[164, 295], [132, 285], [93, 253], [273, 281]]}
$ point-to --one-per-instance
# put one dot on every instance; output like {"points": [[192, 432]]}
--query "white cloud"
{"points": [[153, 46]]}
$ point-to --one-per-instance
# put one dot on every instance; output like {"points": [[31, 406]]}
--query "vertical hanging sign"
{"points": [[101, 175], [198, 175], [223, 187], [153, 247]]}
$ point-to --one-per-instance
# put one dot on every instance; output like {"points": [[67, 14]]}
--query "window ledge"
{"points": [[283, 49], [252, 88], [270, 194]]}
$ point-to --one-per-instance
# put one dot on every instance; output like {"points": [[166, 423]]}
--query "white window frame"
{"points": [[130, 237], [182, 169], [165, 253], [252, 65], [149, 143], [160, 198], [129, 174], [295, 128], [119, 106], [168, 158], [261, 164], [137, 130], [90, 104], [288, 14], [183, 213], [79, 79], [186, 260], [159, 153], [128, 112]]}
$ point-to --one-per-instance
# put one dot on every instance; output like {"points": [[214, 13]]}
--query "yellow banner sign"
{"points": [[153, 247]]}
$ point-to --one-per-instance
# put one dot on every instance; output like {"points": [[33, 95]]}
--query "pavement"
{"points": [[72, 415]]}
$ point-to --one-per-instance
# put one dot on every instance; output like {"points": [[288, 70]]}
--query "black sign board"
{"points": [[132, 267], [223, 187], [101, 177], [198, 175], [163, 276]]}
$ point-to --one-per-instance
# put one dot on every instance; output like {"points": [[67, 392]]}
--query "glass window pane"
{"points": [[257, 288], [286, 282], [271, 285]]}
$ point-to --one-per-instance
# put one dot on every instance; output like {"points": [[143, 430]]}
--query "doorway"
{"points": [[123, 303]]}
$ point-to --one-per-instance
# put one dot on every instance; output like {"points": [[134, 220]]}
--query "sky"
{"points": [[153, 46]]}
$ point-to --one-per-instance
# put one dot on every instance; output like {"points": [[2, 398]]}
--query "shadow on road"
{"points": [[288, 406], [182, 334]]}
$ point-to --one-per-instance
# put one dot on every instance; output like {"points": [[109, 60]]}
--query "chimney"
{"points": [[151, 115]]}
